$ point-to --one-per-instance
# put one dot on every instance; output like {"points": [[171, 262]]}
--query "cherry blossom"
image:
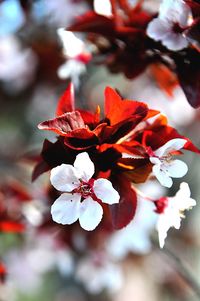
{"points": [[103, 8], [17, 66], [171, 210], [135, 238], [168, 27], [77, 55], [97, 272], [82, 195], [164, 166]]}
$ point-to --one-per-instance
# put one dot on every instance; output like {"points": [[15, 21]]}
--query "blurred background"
{"points": [[34, 72]]}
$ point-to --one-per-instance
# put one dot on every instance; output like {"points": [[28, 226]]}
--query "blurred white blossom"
{"points": [[173, 211], [17, 65], [174, 16], [97, 272]]}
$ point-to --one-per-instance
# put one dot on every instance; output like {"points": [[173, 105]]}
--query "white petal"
{"points": [[162, 228], [103, 8], [155, 160], [176, 168], [183, 197], [184, 190], [175, 41], [157, 29], [66, 209], [64, 178], [105, 191], [84, 166], [171, 145], [162, 176], [91, 214]]}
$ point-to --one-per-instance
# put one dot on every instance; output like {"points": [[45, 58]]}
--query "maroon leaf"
{"points": [[117, 110], [66, 102], [195, 7], [123, 212], [52, 155], [188, 71], [193, 34], [92, 22], [2, 272], [11, 226], [63, 124]]}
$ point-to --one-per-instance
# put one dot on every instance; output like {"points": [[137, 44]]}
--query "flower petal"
{"points": [[162, 228], [162, 176], [175, 41], [171, 145], [105, 192], [183, 197], [66, 209], [184, 191], [84, 166], [64, 178], [158, 29], [176, 169], [90, 214]]}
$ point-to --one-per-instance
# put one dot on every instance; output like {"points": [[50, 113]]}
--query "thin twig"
{"points": [[183, 271]]}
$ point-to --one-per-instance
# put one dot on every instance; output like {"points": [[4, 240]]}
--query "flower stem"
{"points": [[183, 271]]}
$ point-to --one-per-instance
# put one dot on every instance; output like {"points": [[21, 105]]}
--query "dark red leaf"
{"points": [[94, 23], [63, 124], [188, 71], [10, 227], [52, 155], [39, 169], [66, 102], [117, 110], [193, 34], [2, 272], [195, 7], [123, 213], [81, 139]]}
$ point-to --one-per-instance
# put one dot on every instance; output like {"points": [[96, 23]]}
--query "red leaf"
{"points": [[188, 71], [159, 136], [2, 272], [63, 124], [123, 212], [39, 169], [81, 139], [117, 110], [10, 227], [193, 34], [92, 22], [66, 102], [52, 155]]}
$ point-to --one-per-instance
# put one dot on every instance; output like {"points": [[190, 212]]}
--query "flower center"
{"points": [[167, 158], [177, 28], [161, 205], [85, 189]]}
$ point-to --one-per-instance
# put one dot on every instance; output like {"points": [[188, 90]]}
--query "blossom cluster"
{"points": [[114, 176], [129, 37], [96, 161]]}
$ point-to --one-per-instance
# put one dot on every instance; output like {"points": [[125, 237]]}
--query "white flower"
{"points": [[97, 273], [77, 55], [82, 194], [164, 166], [73, 69], [135, 238], [174, 16], [103, 7], [173, 211], [17, 65]]}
